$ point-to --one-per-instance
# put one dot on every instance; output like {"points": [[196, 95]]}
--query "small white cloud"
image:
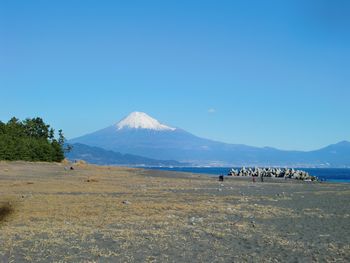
{"points": [[211, 110]]}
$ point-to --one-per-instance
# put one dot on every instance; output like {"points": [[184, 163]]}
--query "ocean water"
{"points": [[336, 175]]}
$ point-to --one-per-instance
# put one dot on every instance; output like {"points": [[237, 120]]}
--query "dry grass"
{"points": [[121, 214]]}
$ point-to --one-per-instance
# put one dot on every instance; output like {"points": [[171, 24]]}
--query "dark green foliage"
{"points": [[30, 140]]}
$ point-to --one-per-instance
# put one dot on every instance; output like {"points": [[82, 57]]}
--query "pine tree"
{"points": [[30, 140]]}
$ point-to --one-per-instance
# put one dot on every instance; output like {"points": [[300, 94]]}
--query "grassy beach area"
{"points": [[114, 214]]}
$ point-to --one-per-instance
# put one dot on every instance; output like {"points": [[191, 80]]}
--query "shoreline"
{"points": [[216, 171], [176, 169]]}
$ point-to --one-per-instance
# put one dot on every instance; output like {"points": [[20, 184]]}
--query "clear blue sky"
{"points": [[273, 73]]}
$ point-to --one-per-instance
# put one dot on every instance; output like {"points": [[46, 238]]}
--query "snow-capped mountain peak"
{"points": [[141, 120]]}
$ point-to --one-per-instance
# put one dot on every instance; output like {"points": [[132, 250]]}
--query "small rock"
{"points": [[126, 202], [195, 220]]}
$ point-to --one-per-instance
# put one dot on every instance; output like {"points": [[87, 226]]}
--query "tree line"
{"points": [[30, 140]]}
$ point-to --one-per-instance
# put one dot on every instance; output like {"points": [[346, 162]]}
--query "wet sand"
{"points": [[110, 214]]}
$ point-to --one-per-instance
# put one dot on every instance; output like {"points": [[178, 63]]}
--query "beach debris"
{"points": [[91, 180], [67, 168], [273, 172], [221, 178], [126, 202]]}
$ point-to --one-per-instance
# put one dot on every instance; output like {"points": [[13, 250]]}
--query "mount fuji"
{"points": [[140, 134]]}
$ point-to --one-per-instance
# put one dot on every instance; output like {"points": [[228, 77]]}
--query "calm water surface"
{"points": [[340, 175]]}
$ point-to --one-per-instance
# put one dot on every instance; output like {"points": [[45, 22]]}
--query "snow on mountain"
{"points": [[141, 120], [140, 134]]}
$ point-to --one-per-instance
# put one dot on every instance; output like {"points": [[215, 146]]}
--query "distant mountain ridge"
{"points": [[140, 134], [95, 155]]}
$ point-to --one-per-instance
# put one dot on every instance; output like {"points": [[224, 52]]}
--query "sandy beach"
{"points": [[113, 214]]}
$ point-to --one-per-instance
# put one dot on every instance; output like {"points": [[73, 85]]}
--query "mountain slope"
{"points": [[140, 134], [100, 156], [337, 155], [140, 120]]}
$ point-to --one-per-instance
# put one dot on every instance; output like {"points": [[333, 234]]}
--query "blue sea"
{"points": [[335, 175]]}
